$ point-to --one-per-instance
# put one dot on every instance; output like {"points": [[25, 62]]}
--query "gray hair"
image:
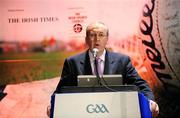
{"points": [[96, 24]]}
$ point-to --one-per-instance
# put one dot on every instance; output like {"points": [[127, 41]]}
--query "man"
{"points": [[112, 63]]}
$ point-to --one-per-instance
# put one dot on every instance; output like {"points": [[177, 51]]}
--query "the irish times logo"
{"points": [[97, 108]]}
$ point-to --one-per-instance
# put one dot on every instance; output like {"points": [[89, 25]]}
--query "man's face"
{"points": [[97, 38]]}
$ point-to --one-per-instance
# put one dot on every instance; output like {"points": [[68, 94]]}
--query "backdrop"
{"points": [[36, 36]]}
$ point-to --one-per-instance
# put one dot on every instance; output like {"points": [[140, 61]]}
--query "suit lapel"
{"points": [[109, 61], [85, 65]]}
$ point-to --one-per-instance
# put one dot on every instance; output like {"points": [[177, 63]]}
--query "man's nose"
{"points": [[97, 38]]}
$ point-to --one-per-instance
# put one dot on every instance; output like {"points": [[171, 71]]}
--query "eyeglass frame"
{"points": [[96, 35]]}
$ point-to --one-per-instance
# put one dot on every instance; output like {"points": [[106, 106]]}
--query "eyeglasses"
{"points": [[97, 35]]}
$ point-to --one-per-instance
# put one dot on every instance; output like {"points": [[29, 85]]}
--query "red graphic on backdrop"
{"points": [[77, 28]]}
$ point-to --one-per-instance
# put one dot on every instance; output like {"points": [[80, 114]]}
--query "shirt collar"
{"points": [[102, 57]]}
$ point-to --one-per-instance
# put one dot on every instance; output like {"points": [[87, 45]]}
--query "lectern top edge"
{"points": [[86, 89]]}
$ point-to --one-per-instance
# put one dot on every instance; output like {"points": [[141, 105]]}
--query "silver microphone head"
{"points": [[95, 52]]}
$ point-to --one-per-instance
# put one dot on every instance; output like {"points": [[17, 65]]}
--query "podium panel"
{"points": [[96, 105]]}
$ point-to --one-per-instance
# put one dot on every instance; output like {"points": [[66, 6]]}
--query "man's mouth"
{"points": [[96, 45]]}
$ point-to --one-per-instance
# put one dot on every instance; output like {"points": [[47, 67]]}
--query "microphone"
{"points": [[95, 52]]}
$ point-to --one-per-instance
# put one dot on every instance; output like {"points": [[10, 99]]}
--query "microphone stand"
{"points": [[96, 72], [99, 78]]}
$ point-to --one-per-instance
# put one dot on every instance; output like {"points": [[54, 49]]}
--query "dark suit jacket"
{"points": [[115, 63]]}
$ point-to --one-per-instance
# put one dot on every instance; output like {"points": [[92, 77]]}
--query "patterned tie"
{"points": [[99, 66]]}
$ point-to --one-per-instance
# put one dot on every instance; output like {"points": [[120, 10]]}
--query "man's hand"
{"points": [[154, 108], [48, 110]]}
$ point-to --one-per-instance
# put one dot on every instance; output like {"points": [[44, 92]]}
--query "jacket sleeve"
{"points": [[67, 76]]}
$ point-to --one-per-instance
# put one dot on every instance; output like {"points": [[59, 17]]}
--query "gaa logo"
{"points": [[97, 108]]}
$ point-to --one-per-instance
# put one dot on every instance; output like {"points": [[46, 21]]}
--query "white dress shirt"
{"points": [[102, 57]]}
